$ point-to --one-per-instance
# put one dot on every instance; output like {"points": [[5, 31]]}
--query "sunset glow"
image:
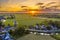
{"points": [[33, 7], [32, 12], [15, 5]]}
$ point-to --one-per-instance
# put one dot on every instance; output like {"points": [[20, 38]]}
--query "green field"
{"points": [[26, 19]]}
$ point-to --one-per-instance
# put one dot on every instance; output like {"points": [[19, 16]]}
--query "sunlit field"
{"points": [[28, 19]]}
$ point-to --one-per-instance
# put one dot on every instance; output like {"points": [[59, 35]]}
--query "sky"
{"points": [[15, 4]]}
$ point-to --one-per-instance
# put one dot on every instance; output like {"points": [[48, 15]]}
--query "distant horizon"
{"points": [[29, 12]]}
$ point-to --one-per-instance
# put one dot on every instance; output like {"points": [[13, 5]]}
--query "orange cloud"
{"points": [[10, 8], [14, 5]]}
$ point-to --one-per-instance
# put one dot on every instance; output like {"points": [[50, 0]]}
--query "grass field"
{"points": [[36, 37], [26, 19]]}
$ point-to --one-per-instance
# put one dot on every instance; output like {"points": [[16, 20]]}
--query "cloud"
{"points": [[12, 2], [4, 4], [24, 2]]}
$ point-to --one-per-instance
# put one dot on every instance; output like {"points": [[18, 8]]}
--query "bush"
{"points": [[56, 37], [19, 32]]}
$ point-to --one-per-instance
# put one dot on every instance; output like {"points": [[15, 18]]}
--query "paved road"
{"points": [[36, 37]]}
